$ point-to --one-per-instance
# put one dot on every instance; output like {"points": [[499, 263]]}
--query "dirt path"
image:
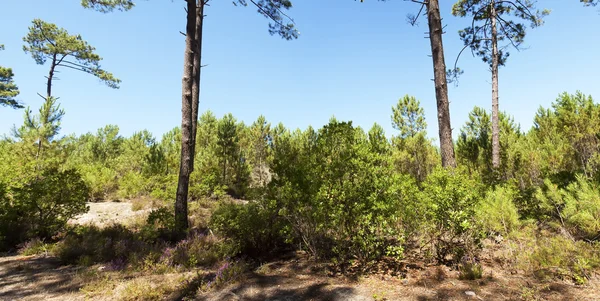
{"points": [[37, 278]]}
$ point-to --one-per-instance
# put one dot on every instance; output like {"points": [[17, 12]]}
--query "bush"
{"points": [[559, 257], [497, 213], [159, 224], [577, 207], [469, 268], [35, 247], [95, 245], [41, 207], [51, 199], [131, 185], [253, 229], [198, 250], [451, 198], [101, 180], [339, 193]]}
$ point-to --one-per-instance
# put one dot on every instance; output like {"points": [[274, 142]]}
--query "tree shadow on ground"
{"points": [[35, 278], [253, 286], [277, 288]]}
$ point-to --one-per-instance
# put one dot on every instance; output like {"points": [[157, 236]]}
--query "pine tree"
{"points": [[498, 26], [8, 88]]}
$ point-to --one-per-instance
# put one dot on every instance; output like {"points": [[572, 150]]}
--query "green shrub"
{"points": [[41, 207], [253, 229], [131, 185], [35, 247], [451, 197], [198, 250], [164, 187], [339, 192], [51, 199], [582, 208], [577, 207], [566, 259], [94, 245], [497, 212], [469, 268], [101, 180]]}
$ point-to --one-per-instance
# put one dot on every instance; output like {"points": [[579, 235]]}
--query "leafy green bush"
{"points": [[96, 245], [469, 268], [159, 224], [254, 230], [497, 212], [131, 185], [339, 192], [51, 199], [451, 197], [198, 250], [41, 207], [563, 258], [101, 180], [577, 207]]}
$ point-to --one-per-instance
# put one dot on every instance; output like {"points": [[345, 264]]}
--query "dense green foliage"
{"points": [[338, 192]]}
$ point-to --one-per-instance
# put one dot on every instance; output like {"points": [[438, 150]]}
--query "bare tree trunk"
{"points": [[441, 85], [197, 70], [181, 209], [50, 77], [495, 112]]}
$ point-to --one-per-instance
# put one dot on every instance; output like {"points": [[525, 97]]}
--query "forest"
{"points": [[217, 200]]}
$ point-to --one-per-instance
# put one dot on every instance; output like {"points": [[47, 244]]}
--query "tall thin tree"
{"points": [[498, 18], [47, 42], [436, 30], [281, 24]]}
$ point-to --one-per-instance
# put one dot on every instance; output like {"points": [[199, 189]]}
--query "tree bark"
{"points": [[441, 85], [495, 112], [197, 71], [50, 77], [181, 208]]}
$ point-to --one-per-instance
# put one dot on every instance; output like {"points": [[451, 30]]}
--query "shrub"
{"points": [[253, 229], [41, 207], [131, 185], [469, 268], [563, 258], [51, 199], [451, 198], [159, 224], [101, 180], [197, 250], [34, 247], [582, 208], [577, 207], [94, 245], [338, 191], [497, 213]]}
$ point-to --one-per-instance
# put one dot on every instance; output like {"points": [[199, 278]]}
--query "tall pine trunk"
{"points": [[197, 71], [495, 112], [441, 85], [185, 165]]}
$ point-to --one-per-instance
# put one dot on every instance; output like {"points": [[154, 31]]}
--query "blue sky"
{"points": [[353, 60]]}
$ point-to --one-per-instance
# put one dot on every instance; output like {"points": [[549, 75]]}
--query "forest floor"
{"points": [[293, 278]]}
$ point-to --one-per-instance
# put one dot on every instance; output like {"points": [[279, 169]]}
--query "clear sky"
{"points": [[352, 60]]}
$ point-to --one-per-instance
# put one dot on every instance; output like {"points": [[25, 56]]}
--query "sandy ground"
{"points": [[104, 213], [37, 278]]}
